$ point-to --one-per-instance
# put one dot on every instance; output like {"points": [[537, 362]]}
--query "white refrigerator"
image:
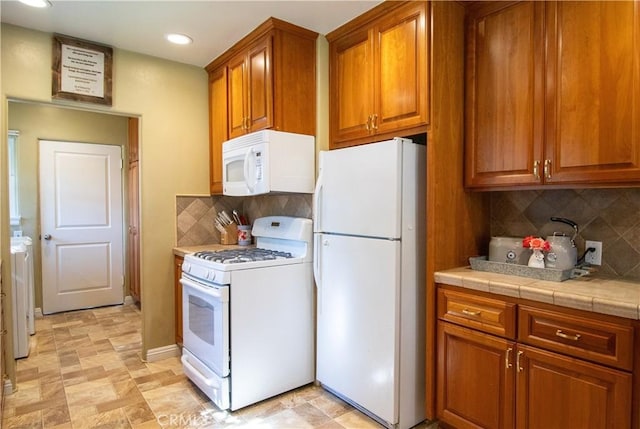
{"points": [[369, 267]]}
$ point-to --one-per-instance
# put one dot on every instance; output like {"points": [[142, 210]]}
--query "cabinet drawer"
{"points": [[587, 338], [489, 315]]}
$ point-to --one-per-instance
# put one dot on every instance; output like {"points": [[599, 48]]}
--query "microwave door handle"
{"points": [[247, 171]]}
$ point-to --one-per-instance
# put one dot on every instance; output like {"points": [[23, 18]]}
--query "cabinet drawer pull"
{"points": [[518, 367], [471, 312], [507, 358], [561, 334]]}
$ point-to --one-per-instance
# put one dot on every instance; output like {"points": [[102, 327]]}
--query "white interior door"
{"points": [[81, 225]]}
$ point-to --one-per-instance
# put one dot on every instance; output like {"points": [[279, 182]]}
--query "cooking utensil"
{"points": [[226, 217], [563, 254], [568, 222], [236, 217]]}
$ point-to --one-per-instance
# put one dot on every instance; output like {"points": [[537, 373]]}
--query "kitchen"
{"points": [[451, 213]]}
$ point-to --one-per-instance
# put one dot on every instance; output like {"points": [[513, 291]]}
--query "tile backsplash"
{"points": [[195, 224], [611, 216]]}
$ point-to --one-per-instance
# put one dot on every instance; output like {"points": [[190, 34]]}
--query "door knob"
{"points": [[47, 236]]}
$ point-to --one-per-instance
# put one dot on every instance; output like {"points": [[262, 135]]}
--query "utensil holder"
{"points": [[230, 234], [244, 235]]}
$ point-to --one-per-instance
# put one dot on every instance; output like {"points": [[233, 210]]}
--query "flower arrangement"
{"points": [[536, 243]]}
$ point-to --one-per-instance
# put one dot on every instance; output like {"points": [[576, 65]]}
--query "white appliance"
{"points": [[369, 266], [21, 283], [268, 161], [248, 328], [31, 292]]}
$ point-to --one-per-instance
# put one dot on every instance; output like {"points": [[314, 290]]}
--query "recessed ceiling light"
{"points": [[36, 3], [179, 39]]}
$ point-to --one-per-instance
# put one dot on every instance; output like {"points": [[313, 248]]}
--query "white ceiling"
{"points": [[140, 26]]}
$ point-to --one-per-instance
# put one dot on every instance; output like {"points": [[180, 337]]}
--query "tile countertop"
{"points": [[591, 293], [183, 250]]}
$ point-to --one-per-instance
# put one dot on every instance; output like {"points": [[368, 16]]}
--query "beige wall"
{"points": [[171, 101], [41, 121]]}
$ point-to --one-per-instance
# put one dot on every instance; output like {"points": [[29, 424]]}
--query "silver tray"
{"points": [[480, 263]]}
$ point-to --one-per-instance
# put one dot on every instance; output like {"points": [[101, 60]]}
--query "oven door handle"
{"points": [[221, 294]]}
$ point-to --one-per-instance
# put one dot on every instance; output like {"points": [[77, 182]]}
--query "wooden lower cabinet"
{"points": [[177, 273], [555, 391], [501, 382], [475, 388]]}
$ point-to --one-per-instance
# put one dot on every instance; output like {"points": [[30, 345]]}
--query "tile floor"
{"points": [[85, 371]]}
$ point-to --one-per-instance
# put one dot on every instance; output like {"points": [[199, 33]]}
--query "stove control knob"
{"points": [[186, 267], [211, 275]]}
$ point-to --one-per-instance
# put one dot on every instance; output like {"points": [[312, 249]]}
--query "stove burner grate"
{"points": [[238, 256]]}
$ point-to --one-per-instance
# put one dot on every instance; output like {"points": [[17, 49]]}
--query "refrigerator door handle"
{"points": [[317, 200], [316, 269]]}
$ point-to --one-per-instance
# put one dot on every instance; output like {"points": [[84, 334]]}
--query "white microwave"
{"points": [[268, 161]]}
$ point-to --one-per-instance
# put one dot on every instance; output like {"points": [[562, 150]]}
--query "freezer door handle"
{"points": [[317, 201]]}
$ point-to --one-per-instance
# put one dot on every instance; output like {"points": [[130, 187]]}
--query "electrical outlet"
{"points": [[593, 258]]}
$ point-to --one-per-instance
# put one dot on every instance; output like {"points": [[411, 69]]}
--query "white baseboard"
{"points": [[8, 387], [37, 312], [154, 355]]}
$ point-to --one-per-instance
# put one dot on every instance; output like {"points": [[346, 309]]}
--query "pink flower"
{"points": [[536, 243]]}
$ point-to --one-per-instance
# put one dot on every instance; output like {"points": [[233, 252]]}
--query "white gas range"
{"points": [[248, 327]]}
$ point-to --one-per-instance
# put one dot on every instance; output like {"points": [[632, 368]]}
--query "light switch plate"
{"points": [[593, 258]]}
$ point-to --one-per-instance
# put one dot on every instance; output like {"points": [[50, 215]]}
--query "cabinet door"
{"points": [[236, 78], [177, 273], [554, 391], [505, 95], [259, 86], [401, 84], [475, 379], [351, 86], [217, 126], [593, 91]]}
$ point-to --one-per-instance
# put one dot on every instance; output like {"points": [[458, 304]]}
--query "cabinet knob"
{"points": [[374, 121], [536, 169], [367, 126]]}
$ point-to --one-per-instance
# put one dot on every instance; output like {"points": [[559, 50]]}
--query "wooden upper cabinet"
{"points": [[504, 95], [251, 90], [218, 120], [265, 81], [553, 90], [379, 83], [593, 84], [351, 86]]}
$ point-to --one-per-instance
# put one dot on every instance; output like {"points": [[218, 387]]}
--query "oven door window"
{"points": [[206, 324], [202, 319]]}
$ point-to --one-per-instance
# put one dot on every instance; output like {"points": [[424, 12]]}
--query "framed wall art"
{"points": [[81, 70]]}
